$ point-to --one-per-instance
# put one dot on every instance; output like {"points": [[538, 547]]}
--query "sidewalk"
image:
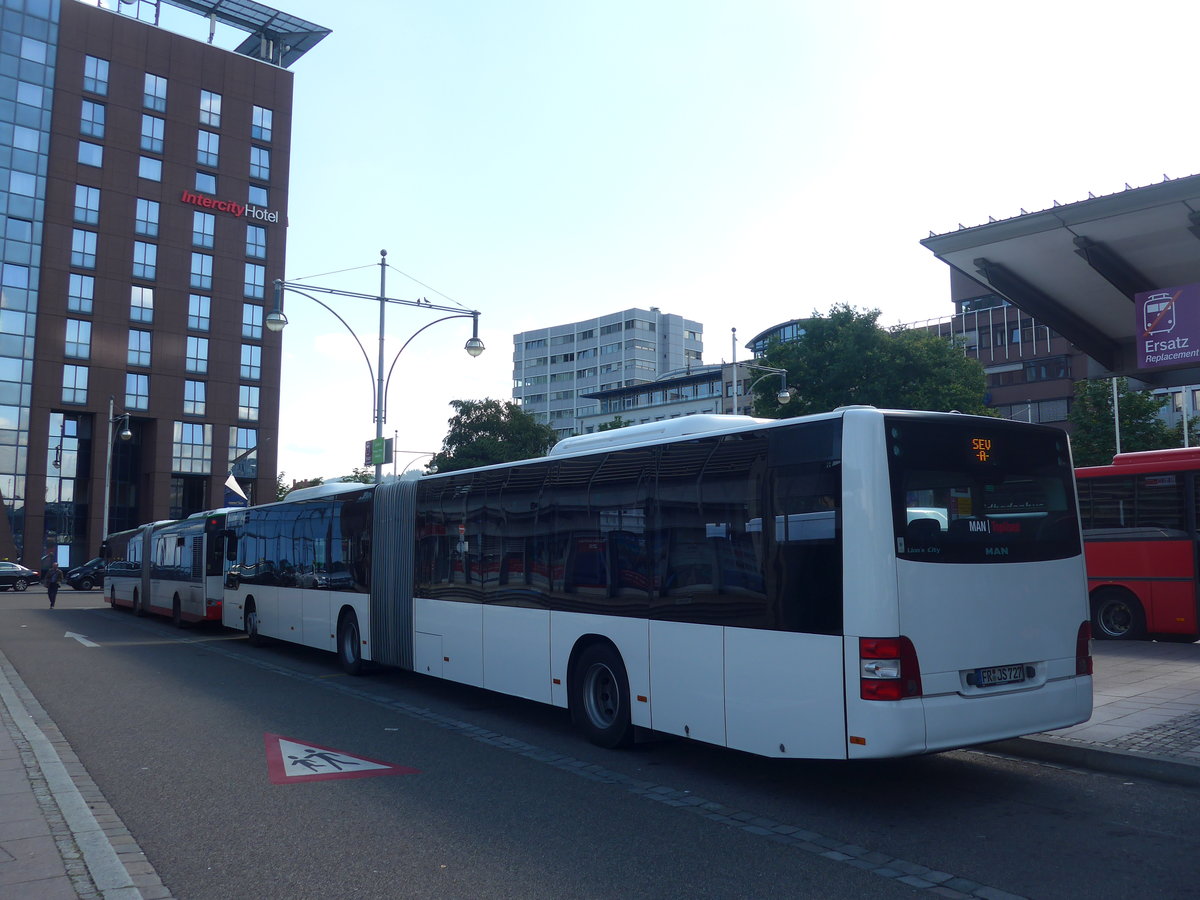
{"points": [[1145, 715], [1146, 723]]}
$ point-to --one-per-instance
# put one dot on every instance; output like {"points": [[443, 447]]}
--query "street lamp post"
{"points": [[124, 434], [784, 394], [276, 321]]}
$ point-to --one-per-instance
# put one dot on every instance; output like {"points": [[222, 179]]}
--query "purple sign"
{"points": [[1168, 326]]}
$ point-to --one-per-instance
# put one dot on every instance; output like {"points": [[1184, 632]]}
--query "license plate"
{"points": [[999, 675]]}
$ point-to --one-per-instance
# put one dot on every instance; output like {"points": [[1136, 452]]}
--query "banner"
{"points": [[1168, 326]]}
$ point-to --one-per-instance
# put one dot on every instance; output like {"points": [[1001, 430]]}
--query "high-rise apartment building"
{"points": [[554, 367], [144, 182]]}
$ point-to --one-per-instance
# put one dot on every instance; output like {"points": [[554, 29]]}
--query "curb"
{"points": [[1102, 759]]}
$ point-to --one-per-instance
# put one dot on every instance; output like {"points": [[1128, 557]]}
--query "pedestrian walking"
{"points": [[53, 580]]}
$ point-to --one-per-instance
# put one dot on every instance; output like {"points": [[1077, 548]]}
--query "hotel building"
{"points": [[144, 183]]}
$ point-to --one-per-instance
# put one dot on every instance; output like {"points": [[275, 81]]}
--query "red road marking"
{"points": [[290, 761]]}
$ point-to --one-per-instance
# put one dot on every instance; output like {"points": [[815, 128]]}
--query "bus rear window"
{"points": [[980, 491]]}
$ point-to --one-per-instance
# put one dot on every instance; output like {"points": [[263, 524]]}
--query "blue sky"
{"points": [[739, 164]]}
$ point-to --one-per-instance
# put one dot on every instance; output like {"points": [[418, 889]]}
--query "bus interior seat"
{"points": [[922, 531]]}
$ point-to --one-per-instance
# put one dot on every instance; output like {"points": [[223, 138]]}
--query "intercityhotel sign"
{"points": [[241, 210]]}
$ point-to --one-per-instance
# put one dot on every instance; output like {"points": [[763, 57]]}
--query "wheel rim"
{"points": [[1116, 618], [601, 696], [21, 584]]}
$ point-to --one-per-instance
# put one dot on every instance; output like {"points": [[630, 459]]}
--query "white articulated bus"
{"points": [[863, 583], [172, 568]]}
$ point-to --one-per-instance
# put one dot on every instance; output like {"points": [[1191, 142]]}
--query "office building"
{"points": [[553, 368], [144, 179]]}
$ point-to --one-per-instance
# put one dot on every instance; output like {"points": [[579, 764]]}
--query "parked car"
{"points": [[16, 576], [88, 575]]}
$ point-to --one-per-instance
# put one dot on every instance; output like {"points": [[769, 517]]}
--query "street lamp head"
{"points": [[784, 396], [125, 434], [276, 320], [473, 346]]}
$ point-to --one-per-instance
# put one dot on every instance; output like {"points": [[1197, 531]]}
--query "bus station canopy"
{"points": [[1077, 267]]}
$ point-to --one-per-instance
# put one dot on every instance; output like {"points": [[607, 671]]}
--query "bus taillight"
{"points": [[1083, 650], [888, 669]]}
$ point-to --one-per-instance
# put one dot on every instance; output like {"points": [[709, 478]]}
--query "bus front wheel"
{"points": [[349, 644], [1117, 616], [600, 697]]}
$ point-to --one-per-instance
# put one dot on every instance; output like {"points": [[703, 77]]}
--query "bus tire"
{"points": [[1117, 616], [349, 644], [176, 612], [138, 609], [599, 699], [250, 624]]}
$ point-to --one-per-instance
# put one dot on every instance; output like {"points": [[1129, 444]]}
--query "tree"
{"points": [[844, 357], [362, 475], [485, 432], [617, 422], [1093, 435]]}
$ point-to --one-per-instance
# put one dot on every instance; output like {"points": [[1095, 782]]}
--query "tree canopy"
{"points": [[485, 432], [844, 357], [1093, 435]]}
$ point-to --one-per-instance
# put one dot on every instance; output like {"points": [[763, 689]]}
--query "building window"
{"points": [[255, 280], [152, 133], [203, 225], [251, 367], [22, 183], [91, 119], [95, 75], [256, 242], [145, 260], [139, 348], [191, 450], [87, 204], [208, 149], [75, 384], [155, 95], [83, 248], [260, 124], [210, 109], [90, 154], [206, 182], [150, 168], [137, 391], [243, 443], [141, 304], [19, 230], [81, 291], [79, 339], [194, 399], [146, 221], [201, 276], [197, 355], [258, 195], [252, 321], [248, 403], [198, 312], [260, 163]]}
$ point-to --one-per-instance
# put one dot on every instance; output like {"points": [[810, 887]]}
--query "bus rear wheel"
{"points": [[1117, 616], [349, 644], [599, 698], [177, 612], [250, 625]]}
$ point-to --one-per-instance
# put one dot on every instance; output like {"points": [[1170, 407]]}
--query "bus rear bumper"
{"points": [[953, 721]]}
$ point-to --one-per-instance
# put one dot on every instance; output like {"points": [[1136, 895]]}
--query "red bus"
{"points": [[1140, 534]]}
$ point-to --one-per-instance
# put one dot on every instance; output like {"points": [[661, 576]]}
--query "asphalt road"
{"points": [[173, 727]]}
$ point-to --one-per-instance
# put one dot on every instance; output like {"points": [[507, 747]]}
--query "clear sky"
{"points": [[737, 163]]}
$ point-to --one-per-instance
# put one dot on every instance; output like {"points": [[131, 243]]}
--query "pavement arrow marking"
{"points": [[290, 761], [81, 639]]}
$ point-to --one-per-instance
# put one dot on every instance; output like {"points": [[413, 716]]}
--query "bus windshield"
{"points": [[980, 492]]}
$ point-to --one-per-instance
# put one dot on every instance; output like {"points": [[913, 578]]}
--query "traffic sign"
{"points": [[290, 761], [377, 452]]}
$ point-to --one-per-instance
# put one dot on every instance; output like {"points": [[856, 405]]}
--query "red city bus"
{"points": [[1140, 538]]}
